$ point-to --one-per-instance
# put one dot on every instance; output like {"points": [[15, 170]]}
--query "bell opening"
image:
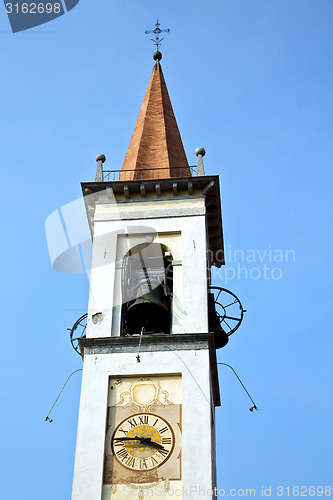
{"points": [[147, 290]]}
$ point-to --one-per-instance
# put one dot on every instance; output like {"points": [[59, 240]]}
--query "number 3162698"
{"points": [[33, 8]]}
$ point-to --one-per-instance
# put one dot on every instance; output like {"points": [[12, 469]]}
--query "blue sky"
{"points": [[251, 82]]}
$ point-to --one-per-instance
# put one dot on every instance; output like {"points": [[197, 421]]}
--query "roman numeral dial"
{"points": [[143, 441]]}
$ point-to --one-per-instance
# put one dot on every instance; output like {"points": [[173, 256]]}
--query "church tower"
{"points": [[150, 383]]}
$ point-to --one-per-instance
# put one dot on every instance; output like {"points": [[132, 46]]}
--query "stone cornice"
{"points": [[155, 190]]}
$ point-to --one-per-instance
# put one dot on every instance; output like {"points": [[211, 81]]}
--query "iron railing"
{"points": [[149, 173]]}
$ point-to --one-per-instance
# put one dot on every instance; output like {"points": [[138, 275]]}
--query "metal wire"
{"points": [[63, 387], [138, 356], [254, 407]]}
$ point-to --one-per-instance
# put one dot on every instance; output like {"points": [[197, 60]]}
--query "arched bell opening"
{"points": [[147, 284]]}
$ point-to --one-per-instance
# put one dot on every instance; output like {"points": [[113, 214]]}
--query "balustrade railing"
{"points": [[149, 173]]}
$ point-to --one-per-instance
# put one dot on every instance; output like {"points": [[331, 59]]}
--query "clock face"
{"points": [[143, 441]]}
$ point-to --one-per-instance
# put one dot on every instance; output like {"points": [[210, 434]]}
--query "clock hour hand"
{"points": [[148, 440], [142, 440]]}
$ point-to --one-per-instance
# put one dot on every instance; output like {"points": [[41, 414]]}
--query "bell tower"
{"points": [[150, 384]]}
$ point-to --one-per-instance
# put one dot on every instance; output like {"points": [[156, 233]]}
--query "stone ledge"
{"points": [[155, 342]]}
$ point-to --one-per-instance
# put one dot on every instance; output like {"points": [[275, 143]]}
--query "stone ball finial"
{"points": [[157, 55], [200, 151], [101, 158]]}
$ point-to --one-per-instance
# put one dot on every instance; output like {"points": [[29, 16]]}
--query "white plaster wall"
{"points": [[198, 469], [185, 217]]}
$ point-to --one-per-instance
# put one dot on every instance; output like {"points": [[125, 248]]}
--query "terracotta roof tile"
{"points": [[156, 149]]}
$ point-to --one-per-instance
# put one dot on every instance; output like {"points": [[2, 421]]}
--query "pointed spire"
{"points": [[156, 149]]}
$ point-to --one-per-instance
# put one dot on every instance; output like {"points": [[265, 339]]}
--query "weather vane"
{"points": [[157, 31]]}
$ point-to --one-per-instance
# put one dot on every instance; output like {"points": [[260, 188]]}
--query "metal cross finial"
{"points": [[157, 31]]}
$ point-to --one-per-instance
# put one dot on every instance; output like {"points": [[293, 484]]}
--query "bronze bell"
{"points": [[149, 310]]}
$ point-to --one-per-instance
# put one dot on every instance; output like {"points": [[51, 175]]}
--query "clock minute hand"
{"points": [[126, 439]]}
